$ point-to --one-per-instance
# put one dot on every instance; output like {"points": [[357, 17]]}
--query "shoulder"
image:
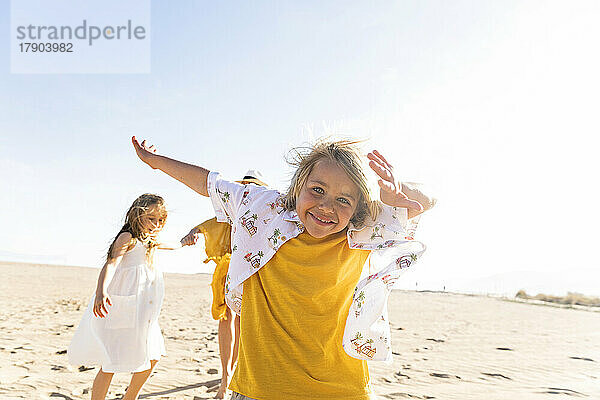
{"points": [[123, 240], [208, 224], [121, 245], [212, 226]]}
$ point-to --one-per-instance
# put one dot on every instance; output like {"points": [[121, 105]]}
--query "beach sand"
{"points": [[447, 346]]}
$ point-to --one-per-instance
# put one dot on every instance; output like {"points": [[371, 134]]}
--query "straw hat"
{"points": [[253, 176]]}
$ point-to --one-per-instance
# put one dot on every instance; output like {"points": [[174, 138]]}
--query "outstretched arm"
{"points": [[170, 245], [192, 237], [190, 175]]}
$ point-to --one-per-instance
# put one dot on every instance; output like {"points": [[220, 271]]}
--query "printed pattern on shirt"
{"points": [[261, 225]]}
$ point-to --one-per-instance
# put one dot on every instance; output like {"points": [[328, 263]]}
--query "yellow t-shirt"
{"points": [[294, 312], [217, 243], [217, 238]]}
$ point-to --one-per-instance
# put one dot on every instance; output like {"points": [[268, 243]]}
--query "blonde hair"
{"points": [[134, 226], [344, 153]]}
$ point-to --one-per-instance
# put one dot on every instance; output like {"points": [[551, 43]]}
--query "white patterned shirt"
{"points": [[260, 225]]}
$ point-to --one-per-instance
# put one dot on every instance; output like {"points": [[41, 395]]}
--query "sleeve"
{"points": [[217, 238], [391, 228], [367, 333], [204, 226], [226, 197]]}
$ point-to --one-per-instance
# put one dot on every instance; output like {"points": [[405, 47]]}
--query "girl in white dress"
{"points": [[119, 330]]}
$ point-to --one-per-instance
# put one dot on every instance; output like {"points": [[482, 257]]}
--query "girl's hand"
{"points": [[192, 176], [101, 304], [191, 238], [390, 189], [144, 151]]}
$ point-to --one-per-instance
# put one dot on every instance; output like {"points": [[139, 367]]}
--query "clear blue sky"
{"points": [[494, 104]]}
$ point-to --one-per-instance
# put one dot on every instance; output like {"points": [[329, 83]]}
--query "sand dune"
{"points": [[447, 346]]}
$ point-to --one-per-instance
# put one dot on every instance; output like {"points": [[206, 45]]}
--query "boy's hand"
{"points": [[390, 190], [144, 151], [101, 304], [191, 238]]}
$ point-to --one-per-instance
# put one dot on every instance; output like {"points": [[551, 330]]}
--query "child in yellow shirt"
{"points": [[307, 323], [217, 243]]}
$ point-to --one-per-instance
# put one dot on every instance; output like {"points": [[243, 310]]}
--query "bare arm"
{"points": [[391, 191], [406, 195], [170, 245], [192, 176], [192, 237], [414, 191], [106, 274]]}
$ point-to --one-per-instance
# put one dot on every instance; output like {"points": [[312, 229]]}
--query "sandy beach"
{"points": [[447, 346]]}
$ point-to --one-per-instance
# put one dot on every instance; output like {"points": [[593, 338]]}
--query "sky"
{"points": [[492, 105]]}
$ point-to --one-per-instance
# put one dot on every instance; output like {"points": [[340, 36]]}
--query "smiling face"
{"points": [[152, 221], [328, 199]]}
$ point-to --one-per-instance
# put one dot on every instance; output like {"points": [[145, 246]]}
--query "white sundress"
{"points": [[129, 336]]}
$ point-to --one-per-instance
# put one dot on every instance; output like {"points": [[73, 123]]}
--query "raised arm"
{"points": [[417, 192], [190, 175], [408, 195]]}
